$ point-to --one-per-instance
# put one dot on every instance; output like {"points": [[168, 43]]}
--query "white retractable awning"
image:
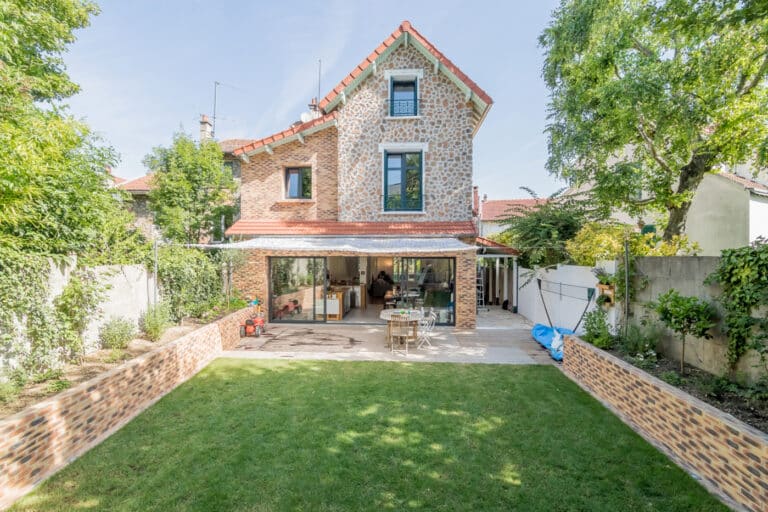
{"points": [[356, 245]]}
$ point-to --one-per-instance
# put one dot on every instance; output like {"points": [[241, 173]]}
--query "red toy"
{"points": [[255, 325]]}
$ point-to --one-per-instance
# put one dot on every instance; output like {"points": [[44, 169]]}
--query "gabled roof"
{"points": [[137, 185], [498, 209], [747, 183], [334, 228], [229, 145], [406, 34], [285, 136]]}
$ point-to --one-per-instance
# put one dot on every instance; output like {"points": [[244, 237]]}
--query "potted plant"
{"points": [[606, 286], [604, 301]]}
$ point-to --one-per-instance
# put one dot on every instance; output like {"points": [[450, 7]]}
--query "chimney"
{"points": [[206, 129], [485, 197]]}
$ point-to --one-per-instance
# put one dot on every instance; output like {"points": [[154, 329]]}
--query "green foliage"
{"points": [[116, 333], [56, 386], [743, 276], [596, 329], [117, 355], [638, 340], [651, 96], [597, 241], [54, 187], [46, 375], [541, 231], [672, 378], [23, 287], [155, 320], [685, 316], [8, 392], [190, 280], [74, 309], [192, 189]]}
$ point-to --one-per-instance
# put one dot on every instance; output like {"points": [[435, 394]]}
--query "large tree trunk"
{"points": [[690, 178]]}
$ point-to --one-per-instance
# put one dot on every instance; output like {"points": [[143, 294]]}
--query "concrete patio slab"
{"points": [[502, 338]]}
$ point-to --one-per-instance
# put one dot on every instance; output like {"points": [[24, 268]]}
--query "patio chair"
{"points": [[400, 333], [426, 326]]}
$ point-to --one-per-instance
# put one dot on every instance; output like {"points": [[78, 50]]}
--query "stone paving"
{"points": [[501, 338]]}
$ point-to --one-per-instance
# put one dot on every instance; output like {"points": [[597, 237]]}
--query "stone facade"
{"points": [[444, 122], [252, 278], [262, 188], [729, 457], [42, 439]]}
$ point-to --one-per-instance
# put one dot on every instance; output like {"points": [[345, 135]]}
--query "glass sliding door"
{"points": [[427, 283], [297, 289]]}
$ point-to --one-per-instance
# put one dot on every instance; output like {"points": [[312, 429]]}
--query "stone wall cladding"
{"points": [[44, 438], [445, 123], [262, 189], [252, 280], [730, 457]]}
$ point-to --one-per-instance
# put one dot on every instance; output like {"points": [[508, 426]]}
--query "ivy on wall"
{"points": [[743, 276]]}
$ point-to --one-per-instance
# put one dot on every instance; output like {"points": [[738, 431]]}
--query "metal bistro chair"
{"points": [[400, 332], [426, 326]]}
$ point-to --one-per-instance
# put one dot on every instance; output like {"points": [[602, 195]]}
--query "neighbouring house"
{"points": [[494, 211], [369, 198], [727, 211], [140, 187]]}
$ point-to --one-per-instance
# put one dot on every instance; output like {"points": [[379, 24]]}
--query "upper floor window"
{"points": [[403, 91], [402, 182], [403, 99], [233, 166], [298, 183]]}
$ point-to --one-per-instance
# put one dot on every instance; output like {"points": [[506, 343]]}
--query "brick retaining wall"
{"points": [[730, 457], [42, 439]]}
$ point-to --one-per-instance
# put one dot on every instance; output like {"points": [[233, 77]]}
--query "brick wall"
{"points": [[252, 280], [42, 439], [262, 189], [730, 457]]}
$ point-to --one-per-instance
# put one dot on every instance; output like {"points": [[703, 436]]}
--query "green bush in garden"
{"points": [[116, 333]]}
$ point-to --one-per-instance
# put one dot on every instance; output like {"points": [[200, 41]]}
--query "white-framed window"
{"points": [[403, 97]]}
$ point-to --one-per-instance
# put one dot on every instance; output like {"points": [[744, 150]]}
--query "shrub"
{"points": [[672, 378], [46, 375], [190, 281], [596, 329], [638, 340], [58, 385], [116, 333], [8, 392], [685, 315], [155, 321]]}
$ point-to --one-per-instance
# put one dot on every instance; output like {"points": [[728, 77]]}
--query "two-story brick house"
{"points": [[378, 182]]}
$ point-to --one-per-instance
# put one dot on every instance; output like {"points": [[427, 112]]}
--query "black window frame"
{"points": [[404, 203]]}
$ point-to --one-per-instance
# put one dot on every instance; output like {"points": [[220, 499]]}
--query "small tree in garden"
{"points": [[685, 315]]}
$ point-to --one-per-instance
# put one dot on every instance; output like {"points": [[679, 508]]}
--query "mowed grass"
{"points": [[249, 435]]}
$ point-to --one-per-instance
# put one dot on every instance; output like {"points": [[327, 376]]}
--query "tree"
{"points": [[686, 316], [55, 191], [540, 231], [191, 189], [652, 96]]}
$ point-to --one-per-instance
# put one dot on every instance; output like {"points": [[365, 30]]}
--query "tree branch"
{"points": [[651, 148], [759, 75], [642, 48]]}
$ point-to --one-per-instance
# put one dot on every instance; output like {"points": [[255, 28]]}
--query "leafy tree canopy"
{"points": [[540, 232], [54, 186], [652, 95], [192, 189]]}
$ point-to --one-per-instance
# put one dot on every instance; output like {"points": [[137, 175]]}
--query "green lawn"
{"points": [[317, 436]]}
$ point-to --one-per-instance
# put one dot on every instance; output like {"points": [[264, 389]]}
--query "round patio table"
{"points": [[414, 315]]}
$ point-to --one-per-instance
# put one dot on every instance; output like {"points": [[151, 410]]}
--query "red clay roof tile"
{"points": [[255, 144], [498, 209], [334, 228], [744, 182], [406, 26], [140, 184]]}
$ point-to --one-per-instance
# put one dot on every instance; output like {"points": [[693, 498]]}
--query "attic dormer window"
{"points": [[403, 92]]}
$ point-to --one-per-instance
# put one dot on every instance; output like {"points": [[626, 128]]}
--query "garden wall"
{"points": [[42, 439], [686, 274], [565, 292], [730, 457]]}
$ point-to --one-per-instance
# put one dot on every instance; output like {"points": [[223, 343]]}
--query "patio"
{"points": [[500, 337]]}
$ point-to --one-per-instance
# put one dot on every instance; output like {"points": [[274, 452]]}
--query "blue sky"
{"points": [[147, 70]]}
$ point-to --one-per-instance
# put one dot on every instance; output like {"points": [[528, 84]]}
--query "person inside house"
{"points": [[386, 277]]}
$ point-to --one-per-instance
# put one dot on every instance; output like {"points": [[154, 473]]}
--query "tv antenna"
{"points": [[215, 90]]}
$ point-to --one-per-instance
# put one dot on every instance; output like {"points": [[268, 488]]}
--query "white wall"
{"points": [[758, 217], [130, 289], [564, 291], [719, 216]]}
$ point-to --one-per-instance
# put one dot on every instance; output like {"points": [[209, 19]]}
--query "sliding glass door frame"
{"points": [[323, 283]]}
